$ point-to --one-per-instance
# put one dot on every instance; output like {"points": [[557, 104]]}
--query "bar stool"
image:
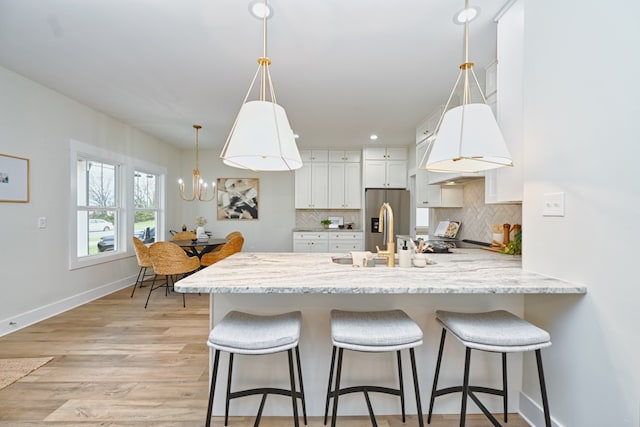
{"points": [[376, 331], [250, 334], [496, 331]]}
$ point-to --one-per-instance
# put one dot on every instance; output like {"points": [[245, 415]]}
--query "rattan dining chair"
{"points": [[169, 260], [144, 262], [184, 235], [233, 245]]}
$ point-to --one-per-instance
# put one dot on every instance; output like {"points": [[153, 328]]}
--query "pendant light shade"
{"points": [[467, 137], [262, 139], [469, 140]]}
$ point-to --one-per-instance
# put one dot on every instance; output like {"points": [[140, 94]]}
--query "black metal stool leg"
{"points": [[465, 387], [326, 406], [304, 405], [214, 375], [401, 388], [228, 399], [504, 386], [436, 375], [294, 399], [414, 370], [335, 394], [543, 390]]}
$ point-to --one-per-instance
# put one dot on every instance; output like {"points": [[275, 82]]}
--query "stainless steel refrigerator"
{"points": [[400, 204]]}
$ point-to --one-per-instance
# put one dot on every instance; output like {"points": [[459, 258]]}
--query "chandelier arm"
{"points": [[446, 107], [272, 91], [475, 78], [244, 101]]}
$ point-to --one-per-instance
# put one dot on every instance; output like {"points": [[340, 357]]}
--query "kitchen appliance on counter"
{"points": [[398, 199]]}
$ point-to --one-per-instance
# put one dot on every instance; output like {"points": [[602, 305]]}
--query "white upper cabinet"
{"points": [[385, 167], [329, 179], [312, 179], [345, 191], [348, 156], [505, 184], [314, 156]]}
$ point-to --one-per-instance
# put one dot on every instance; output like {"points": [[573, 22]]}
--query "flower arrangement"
{"points": [[201, 221]]}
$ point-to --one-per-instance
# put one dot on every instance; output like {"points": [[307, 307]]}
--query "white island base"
{"points": [[470, 280]]}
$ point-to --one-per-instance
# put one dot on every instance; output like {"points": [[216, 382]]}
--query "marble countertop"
{"points": [[466, 271]]}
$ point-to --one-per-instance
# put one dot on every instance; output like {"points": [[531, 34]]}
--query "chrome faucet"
{"points": [[390, 253]]}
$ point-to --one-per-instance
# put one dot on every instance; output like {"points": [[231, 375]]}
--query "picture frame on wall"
{"points": [[14, 179], [237, 198]]}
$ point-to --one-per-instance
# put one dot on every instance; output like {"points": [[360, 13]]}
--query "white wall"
{"points": [[38, 124], [581, 138], [271, 232]]}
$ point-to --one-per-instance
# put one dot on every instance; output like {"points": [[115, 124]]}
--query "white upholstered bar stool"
{"points": [[249, 334], [495, 331], [376, 332]]}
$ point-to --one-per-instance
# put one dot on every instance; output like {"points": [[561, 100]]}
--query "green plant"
{"points": [[325, 222], [514, 247]]}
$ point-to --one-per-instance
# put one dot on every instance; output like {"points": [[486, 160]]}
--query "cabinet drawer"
{"points": [[305, 235], [346, 236], [346, 246]]}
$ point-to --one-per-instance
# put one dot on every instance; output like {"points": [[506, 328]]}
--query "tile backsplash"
{"points": [[476, 216], [310, 218]]}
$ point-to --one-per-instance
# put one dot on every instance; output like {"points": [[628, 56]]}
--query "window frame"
{"points": [[126, 167]]}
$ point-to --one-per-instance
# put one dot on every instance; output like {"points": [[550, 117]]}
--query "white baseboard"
{"points": [[28, 318], [533, 413]]}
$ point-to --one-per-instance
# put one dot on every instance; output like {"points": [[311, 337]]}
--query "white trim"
{"points": [[126, 166], [29, 318], [532, 412], [503, 10]]}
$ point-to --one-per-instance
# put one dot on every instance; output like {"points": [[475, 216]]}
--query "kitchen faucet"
{"points": [[390, 253]]}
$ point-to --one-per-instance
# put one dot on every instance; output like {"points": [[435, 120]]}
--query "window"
{"points": [[113, 197], [145, 201], [98, 207]]}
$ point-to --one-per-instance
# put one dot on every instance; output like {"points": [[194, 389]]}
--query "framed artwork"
{"points": [[14, 179], [237, 198]]}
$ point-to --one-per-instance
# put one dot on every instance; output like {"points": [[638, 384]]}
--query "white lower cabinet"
{"points": [[346, 242], [338, 242], [310, 242]]}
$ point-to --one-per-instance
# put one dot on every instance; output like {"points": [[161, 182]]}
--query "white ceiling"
{"points": [[342, 69]]}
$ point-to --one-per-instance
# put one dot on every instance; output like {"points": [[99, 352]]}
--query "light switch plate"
{"points": [[553, 204], [42, 222]]}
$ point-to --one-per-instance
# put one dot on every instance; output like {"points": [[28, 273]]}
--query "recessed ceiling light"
{"points": [[466, 15], [296, 136], [373, 137], [258, 9]]}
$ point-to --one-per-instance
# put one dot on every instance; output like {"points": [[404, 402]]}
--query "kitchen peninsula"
{"points": [[466, 280]]}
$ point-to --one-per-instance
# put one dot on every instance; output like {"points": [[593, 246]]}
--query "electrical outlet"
{"points": [[42, 222]]}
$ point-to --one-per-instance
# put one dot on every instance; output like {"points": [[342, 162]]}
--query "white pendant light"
{"points": [[261, 138], [467, 137]]}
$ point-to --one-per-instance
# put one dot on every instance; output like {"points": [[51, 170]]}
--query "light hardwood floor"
{"points": [[117, 364]]}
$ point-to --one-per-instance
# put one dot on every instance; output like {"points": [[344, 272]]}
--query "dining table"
{"points": [[199, 247]]}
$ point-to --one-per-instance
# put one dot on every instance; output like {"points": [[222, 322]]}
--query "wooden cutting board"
{"points": [[492, 249]]}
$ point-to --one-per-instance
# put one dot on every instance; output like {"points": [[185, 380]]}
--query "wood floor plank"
{"points": [[116, 364]]}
